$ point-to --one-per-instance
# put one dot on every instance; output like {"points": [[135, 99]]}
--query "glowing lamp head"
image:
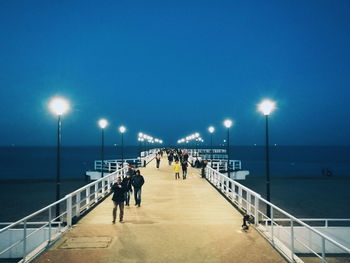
{"points": [[59, 106], [196, 135], [211, 129], [140, 134], [102, 123], [122, 129], [227, 123], [266, 107], [160, 141]]}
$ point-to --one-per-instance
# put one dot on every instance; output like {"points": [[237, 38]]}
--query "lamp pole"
{"points": [[58, 106], [267, 163], [58, 163], [122, 148], [228, 124], [102, 149], [266, 107], [211, 131]]}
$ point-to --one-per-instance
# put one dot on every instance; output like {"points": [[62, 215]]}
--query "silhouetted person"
{"points": [[137, 182], [118, 199], [184, 169]]}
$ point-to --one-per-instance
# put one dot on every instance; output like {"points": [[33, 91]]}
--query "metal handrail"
{"points": [[221, 178]]}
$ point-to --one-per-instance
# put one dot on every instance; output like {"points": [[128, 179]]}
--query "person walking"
{"points": [[158, 160], [118, 199], [127, 188], [137, 182], [177, 169], [170, 158], [184, 166]]}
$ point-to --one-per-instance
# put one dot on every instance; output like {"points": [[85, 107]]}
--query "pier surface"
{"points": [[179, 221]]}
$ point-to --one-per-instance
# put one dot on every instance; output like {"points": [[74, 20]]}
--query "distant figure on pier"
{"points": [[170, 157], [177, 169], [118, 199], [185, 156], [158, 160], [184, 166], [127, 188], [137, 182]]}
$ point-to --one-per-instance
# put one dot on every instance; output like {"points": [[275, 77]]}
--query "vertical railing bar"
{"points": [[24, 240]]}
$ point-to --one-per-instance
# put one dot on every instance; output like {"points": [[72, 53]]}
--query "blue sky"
{"points": [[170, 68]]}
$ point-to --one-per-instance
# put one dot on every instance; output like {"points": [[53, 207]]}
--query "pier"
{"points": [[179, 221], [194, 220]]}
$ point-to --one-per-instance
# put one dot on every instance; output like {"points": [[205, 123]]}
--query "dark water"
{"points": [[40, 162], [286, 161]]}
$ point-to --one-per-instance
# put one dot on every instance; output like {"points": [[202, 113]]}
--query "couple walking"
{"points": [[121, 193], [184, 166]]}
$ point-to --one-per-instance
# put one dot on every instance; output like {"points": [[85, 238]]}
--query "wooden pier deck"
{"points": [[179, 221]]}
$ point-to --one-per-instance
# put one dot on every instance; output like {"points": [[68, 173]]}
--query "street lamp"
{"points": [[211, 130], [58, 106], [103, 124], [228, 124], [122, 130], [266, 107]]}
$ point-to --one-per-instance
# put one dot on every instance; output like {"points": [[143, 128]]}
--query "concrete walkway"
{"points": [[179, 221]]}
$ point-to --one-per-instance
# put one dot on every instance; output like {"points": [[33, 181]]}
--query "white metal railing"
{"points": [[113, 165], [72, 205], [253, 204]]}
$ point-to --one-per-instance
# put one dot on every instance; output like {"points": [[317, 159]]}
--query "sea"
{"points": [[307, 181]]}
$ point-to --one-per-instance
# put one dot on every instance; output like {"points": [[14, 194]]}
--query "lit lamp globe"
{"points": [[211, 129], [59, 106], [227, 123], [140, 134], [267, 106], [102, 123], [122, 129]]}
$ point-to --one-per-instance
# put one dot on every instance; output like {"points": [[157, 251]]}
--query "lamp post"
{"points": [[103, 124], [211, 130], [266, 107], [228, 124], [58, 106], [122, 130]]}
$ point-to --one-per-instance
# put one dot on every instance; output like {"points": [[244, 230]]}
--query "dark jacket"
{"points": [[127, 183], [184, 165], [118, 192], [137, 181]]}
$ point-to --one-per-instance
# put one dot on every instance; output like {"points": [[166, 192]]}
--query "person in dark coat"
{"points": [[128, 189], [118, 199], [137, 182], [170, 158], [184, 169]]}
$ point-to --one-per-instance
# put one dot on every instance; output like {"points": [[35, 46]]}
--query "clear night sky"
{"points": [[170, 68]]}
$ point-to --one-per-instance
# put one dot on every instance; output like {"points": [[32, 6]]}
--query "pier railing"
{"points": [[113, 165], [292, 240], [30, 235]]}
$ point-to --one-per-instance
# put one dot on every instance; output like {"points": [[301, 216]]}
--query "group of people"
{"points": [[122, 190], [181, 162]]}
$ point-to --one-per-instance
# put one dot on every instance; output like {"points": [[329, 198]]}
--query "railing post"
{"points": [[96, 192], [103, 187], [24, 240], [240, 196], [69, 210], [324, 250], [87, 197], [272, 234], [248, 202], [50, 218], [77, 205], [292, 239], [256, 210]]}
